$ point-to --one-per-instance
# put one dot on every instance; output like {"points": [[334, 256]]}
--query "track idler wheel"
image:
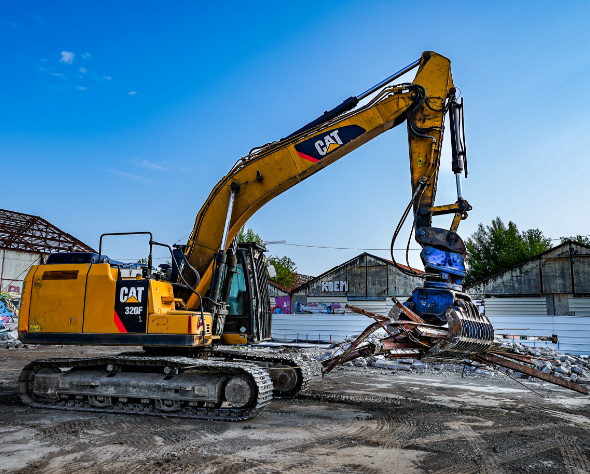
{"points": [[40, 385], [100, 401], [284, 379], [239, 392]]}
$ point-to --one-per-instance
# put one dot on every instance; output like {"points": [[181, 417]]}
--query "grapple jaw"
{"points": [[467, 334]]}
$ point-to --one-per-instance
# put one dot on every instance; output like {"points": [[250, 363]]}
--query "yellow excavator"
{"points": [[188, 315]]}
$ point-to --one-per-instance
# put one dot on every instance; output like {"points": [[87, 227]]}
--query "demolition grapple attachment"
{"points": [[469, 332]]}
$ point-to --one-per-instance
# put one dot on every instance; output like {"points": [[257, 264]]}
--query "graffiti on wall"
{"points": [[319, 308], [328, 286], [282, 305]]}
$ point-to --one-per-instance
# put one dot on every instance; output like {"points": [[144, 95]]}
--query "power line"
{"points": [[136, 259], [336, 248], [571, 236], [355, 248], [282, 242]]}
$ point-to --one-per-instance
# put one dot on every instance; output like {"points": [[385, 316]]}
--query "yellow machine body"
{"points": [[85, 298], [89, 304]]}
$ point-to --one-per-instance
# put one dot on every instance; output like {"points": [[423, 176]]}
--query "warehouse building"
{"points": [[280, 295], [555, 282], [366, 281], [318, 312], [25, 240], [545, 295]]}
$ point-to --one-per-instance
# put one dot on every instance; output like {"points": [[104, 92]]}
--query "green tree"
{"points": [[581, 239], [497, 247], [248, 235], [285, 268]]}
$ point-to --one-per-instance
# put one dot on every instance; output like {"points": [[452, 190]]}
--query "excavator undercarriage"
{"points": [[170, 386]]}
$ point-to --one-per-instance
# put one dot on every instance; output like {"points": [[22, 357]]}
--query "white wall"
{"points": [[527, 317], [318, 327], [14, 266]]}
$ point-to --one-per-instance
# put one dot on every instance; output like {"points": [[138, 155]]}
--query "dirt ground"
{"points": [[354, 420]]}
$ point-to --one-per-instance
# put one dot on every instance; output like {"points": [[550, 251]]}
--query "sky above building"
{"points": [[122, 116]]}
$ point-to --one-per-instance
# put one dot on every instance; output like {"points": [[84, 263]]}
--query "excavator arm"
{"points": [[272, 169]]}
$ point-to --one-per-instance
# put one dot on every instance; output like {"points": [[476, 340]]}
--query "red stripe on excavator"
{"points": [[307, 157], [118, 323]]}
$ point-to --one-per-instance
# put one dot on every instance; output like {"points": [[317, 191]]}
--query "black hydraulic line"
{"points": [[194, 270], [185, 283], [419, 189], [398, 229], [412, 230], [353, 101], [345, 106]]}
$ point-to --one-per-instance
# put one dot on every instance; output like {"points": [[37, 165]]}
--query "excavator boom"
{"points": [[272, 169]]}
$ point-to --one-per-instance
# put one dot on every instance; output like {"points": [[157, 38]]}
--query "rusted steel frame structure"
{"points": [[348, 353], [20, 231], [525, 369], [392, 343]]}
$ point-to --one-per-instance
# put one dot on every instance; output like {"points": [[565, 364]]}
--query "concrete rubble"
{"points": [[9, 334], [547, 359]]}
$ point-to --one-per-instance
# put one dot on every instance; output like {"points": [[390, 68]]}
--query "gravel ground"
{"points": [[356, 419]]}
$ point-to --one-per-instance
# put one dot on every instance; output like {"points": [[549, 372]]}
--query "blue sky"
{"points": [[121, 116]]}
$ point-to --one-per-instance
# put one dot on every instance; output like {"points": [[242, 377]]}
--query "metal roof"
{"points": [[25, 232], [300, 280]]}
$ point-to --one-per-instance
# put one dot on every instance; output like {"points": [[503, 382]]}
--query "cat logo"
{"points": [[329, 143], [130, 295], [315, 148]]}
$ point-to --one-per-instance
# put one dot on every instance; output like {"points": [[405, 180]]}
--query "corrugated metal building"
{"points": [[274, 290], [547, 294], [366, 281], [24, 241], [554, 282]]}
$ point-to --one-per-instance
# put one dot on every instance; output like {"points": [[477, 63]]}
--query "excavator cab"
{"points": [[241, 306], [248, 319]]}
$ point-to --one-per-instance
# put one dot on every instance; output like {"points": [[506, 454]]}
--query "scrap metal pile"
{"points": [[468, 335]]}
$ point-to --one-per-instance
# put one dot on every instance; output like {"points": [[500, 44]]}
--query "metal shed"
{"points": [[545, 295], [24, 241], [366, 281], [560, 277]]}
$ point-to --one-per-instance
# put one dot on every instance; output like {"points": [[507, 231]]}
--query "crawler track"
{"points": [[40, 386], [301, 370]]}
